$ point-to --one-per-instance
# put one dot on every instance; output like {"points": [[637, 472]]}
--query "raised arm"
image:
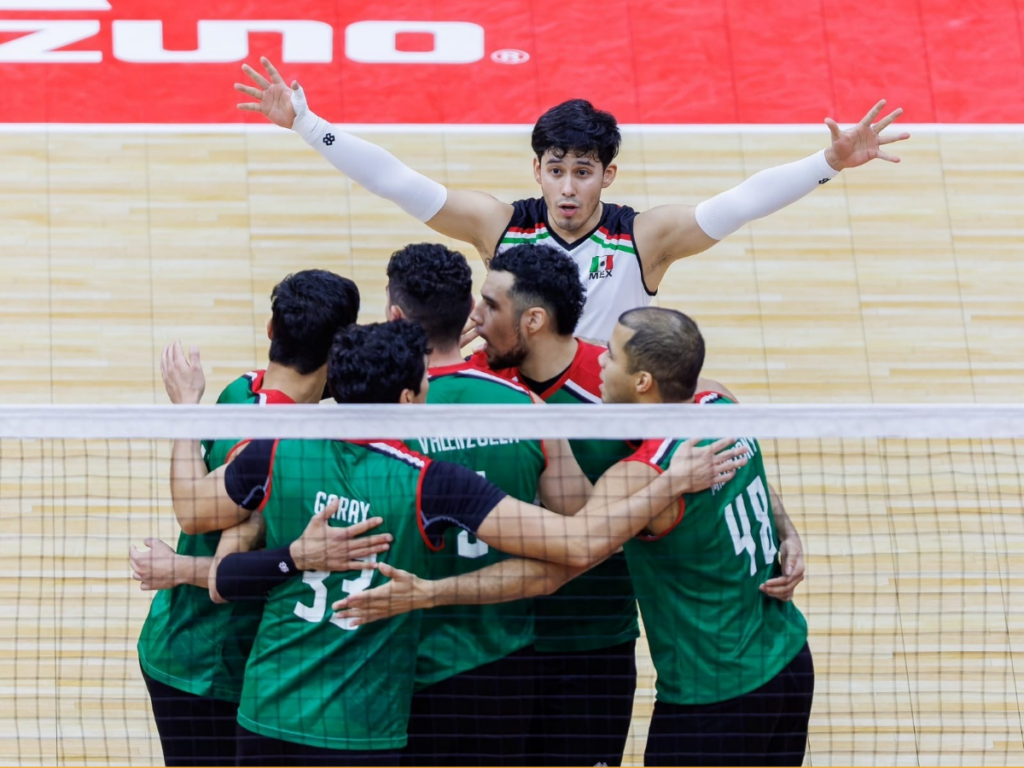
{"points": [[472, 217], [511, 579], [668, 233]]}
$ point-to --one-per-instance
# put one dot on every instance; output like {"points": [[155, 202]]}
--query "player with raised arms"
{"points": [[621, 255]]}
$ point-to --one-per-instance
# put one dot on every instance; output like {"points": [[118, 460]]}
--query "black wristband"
{"points": [[249, 576]]}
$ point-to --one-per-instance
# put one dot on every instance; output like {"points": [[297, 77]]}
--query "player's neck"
{"points": [[302, 388], [441, 358], [549, 356], [581, 231]]}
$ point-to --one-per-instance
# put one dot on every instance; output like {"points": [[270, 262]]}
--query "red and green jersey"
{"points": [[312, 678], [458, 638], [713, 634], [189, 642], [597, 609]]}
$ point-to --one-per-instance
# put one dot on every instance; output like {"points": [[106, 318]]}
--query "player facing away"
{"points": [[321, 690], [192, 651], [622, 255], [714, 575], [474, 670]]}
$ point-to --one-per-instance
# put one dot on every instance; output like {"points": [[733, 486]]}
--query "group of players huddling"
{"points": [[474, 601]]}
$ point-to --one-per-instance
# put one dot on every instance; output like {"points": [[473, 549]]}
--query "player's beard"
{"points": [[511, 357]]}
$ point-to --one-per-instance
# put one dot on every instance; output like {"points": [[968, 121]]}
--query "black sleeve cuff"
{"points": [[452, 495], [249, 576]]}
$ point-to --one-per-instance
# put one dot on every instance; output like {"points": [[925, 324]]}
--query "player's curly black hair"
{"points": [[544, 278], [432, 285], [375, 363], [307, 309], [575, 126]]}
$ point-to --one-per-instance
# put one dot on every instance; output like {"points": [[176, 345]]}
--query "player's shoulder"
{"points": [[654, 452], [474, 385], [585, 372], [528, 211], [241, 389], [617, 220], [710, 397], [393, 452]]}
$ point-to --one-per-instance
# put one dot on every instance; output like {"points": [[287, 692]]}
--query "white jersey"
{"points": [[606, 257]]}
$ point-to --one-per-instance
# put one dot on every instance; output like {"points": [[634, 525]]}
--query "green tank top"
{"points": [[713, 635], [313, 679], [457, 638], [189, 642]]}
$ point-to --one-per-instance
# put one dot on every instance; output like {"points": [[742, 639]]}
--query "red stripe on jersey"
{"points": [[528, 230], [702, 398], [645, 455], [419, 513], [585, 370], [444, 370], [621, 237]]}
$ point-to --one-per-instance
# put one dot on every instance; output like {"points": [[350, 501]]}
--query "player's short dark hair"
{"points": [[374, 363], [575, 126], [432, 285], [544, 278], [307, 309], [669, 346]]}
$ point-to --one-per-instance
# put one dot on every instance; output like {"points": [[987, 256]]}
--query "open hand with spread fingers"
{"points": [[275, 100], [862, 142]]}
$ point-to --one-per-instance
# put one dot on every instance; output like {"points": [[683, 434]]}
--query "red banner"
{"points": [[457, 61]]}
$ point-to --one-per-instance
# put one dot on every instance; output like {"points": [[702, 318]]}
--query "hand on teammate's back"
{"points": [[325, 548], [183, 376], [791, 559], [404, 592], [697, 468], [274, 99]]}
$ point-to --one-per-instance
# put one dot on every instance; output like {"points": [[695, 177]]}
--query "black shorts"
{"points": [[479, 717], [194, 730], [254, 749], [584, 706], [767, 726]]}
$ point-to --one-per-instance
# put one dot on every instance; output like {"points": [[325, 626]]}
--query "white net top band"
{"points": [[522, 422]]}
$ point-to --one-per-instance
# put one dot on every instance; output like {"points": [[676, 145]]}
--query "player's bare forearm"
{"points": [[512, 579], [783, 524], [193, 570], [563, 486], [244, 537], [201, 503]]}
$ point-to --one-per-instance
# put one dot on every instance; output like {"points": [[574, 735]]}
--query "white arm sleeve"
{"points": [[368, 165], [763, 193]]}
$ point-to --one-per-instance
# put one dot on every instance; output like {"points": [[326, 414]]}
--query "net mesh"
{"points": [[913, 539]]}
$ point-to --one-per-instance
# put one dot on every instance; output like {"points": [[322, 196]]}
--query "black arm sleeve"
{"points": [[249, 576], [452, 495], [247, 477]]}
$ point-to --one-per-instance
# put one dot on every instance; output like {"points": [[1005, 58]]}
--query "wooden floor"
{"points": [[891, 284]]}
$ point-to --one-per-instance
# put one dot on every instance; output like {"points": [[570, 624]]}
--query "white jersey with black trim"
{"points": [[607, 258]]}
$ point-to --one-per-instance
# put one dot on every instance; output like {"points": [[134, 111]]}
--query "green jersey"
{"points": [[457, 638], [189, 642], [713, 634], [312, 678], [598, 608]]}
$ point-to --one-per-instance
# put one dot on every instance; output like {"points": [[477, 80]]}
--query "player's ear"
{"points": [[536, 169], [408, 397], [609, 175], [395, 313], [534, 319], [270, 328], [644, 383]]}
